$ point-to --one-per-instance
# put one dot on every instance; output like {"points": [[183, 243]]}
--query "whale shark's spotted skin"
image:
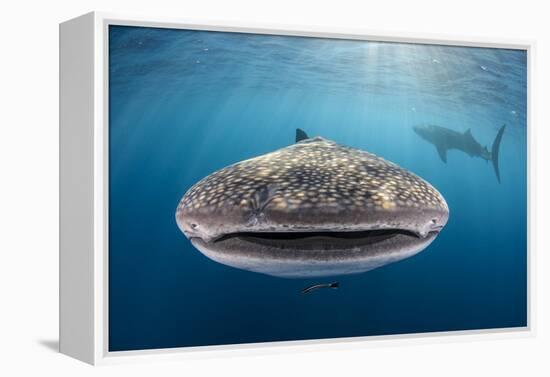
{"points": [[313, 186], [315, 174]]}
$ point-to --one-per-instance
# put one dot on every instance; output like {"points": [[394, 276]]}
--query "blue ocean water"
{"points": [[183, 104]]}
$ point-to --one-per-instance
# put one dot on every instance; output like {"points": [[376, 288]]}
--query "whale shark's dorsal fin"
{"points": [[442, 153], [301, 135], [468, 132]]}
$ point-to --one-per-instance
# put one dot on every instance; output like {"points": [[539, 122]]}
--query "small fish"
{"points": [[334, 285], [483, 67], [435, 61]]}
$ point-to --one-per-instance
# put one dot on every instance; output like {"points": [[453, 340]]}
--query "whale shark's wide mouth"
{"points": [[313, 254], [318, 240]]}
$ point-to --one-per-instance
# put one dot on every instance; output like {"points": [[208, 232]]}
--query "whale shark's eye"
{"points": [[194, 226]]}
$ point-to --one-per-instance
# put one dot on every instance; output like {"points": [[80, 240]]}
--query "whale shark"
{"points": [[445, 139], [314, 208]]}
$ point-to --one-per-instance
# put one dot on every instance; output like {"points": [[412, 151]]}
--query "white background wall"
{"points": [[29, 184]]}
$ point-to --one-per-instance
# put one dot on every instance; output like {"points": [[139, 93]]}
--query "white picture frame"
{"points": [[84, 186]]}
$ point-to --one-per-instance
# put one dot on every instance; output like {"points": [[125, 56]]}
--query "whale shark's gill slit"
{"points": [[314, 240]]}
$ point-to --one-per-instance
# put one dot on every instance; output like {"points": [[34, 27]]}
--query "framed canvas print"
{"points": [[228, 186]]}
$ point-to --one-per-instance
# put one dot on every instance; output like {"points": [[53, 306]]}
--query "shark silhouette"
{"points": [[445, 139]]}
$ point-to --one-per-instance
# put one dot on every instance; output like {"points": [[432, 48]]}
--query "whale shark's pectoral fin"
{"points": [[442, 153], [301, 135]]}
